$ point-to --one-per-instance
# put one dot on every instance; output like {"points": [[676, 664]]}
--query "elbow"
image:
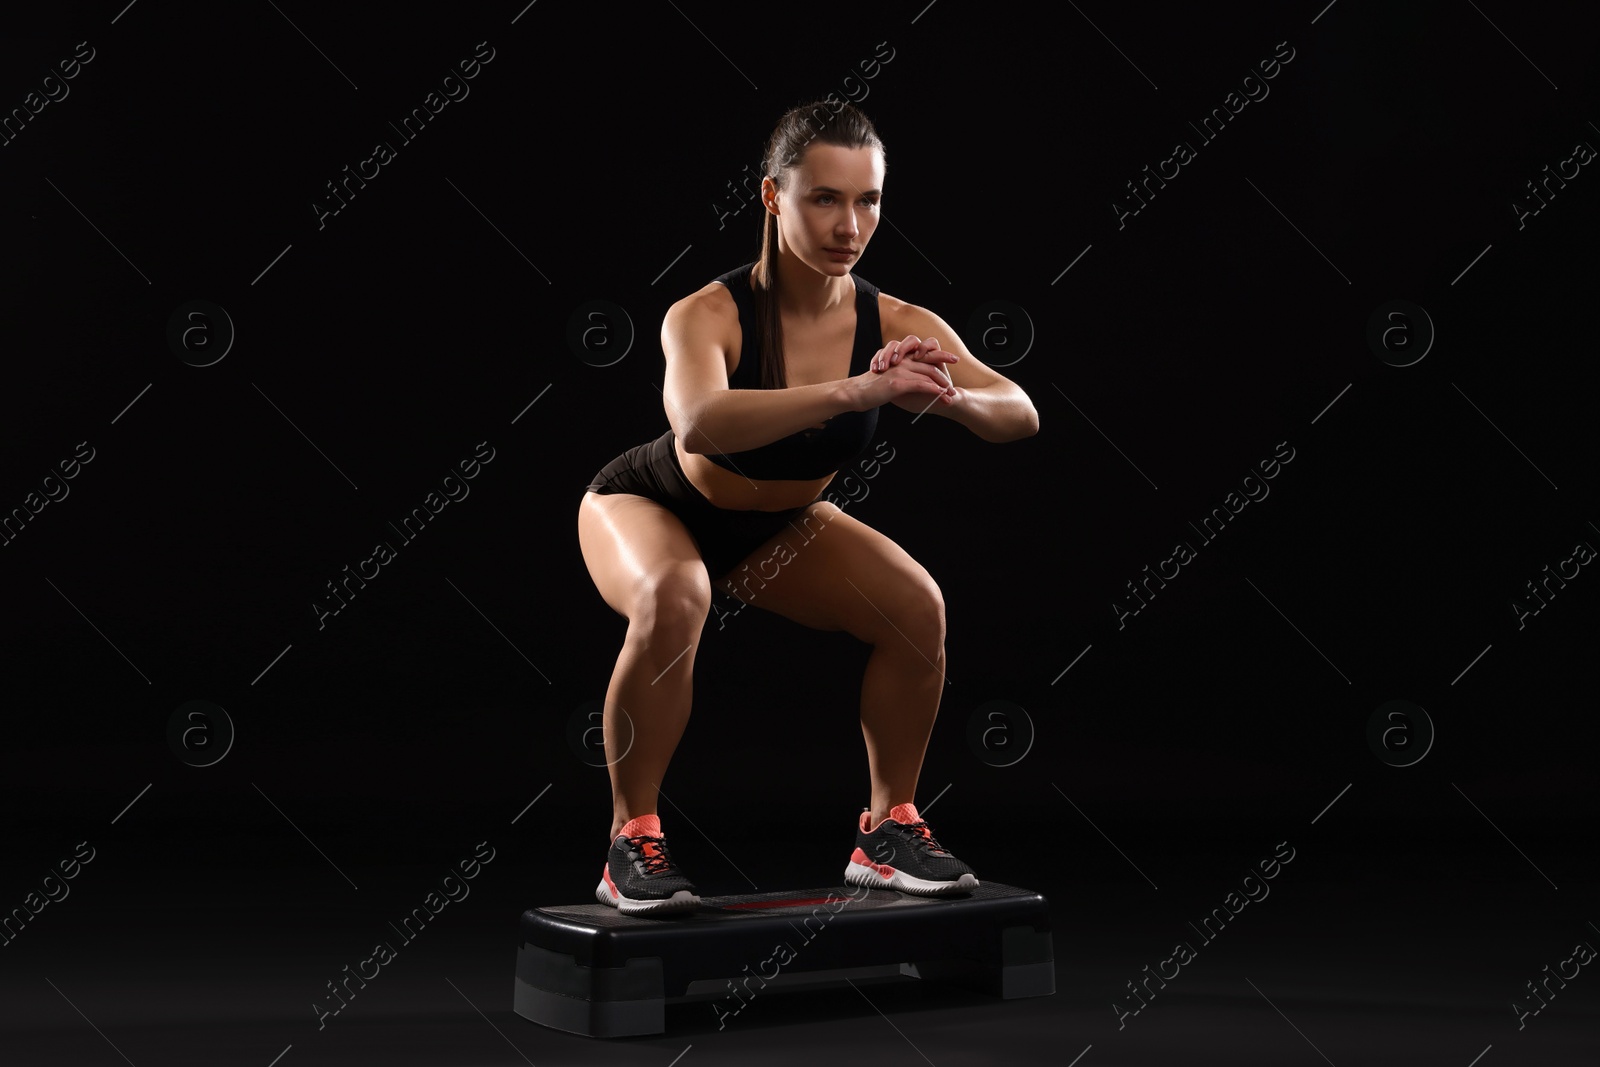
{"points": [[692, 440], [1027, 419], [1024, 426], [1015, 419], [688, 425], [686, 428]]}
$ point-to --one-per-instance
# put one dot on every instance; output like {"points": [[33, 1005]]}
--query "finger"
{"points": [[938, 375], [939, 381]]}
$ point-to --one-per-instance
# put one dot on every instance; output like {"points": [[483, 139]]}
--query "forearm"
{"points": [[995, 413], [735, 420]]}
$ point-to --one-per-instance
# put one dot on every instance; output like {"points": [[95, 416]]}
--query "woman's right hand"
{"points": [[910, 368]]}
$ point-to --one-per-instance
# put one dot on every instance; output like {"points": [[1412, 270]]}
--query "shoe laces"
{"points": [[652, 851], [921, 836]]}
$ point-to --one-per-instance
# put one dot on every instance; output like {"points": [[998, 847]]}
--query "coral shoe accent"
{"points": [[901, 853], [866, 861]]}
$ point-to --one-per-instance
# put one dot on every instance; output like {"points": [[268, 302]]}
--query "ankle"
{"points": [[876, 815], [620, 822]]}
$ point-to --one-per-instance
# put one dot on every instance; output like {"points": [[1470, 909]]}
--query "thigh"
{"points": [[723, 537], [638, 551], [831, 571]]}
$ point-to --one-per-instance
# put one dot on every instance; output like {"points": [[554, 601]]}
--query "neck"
{"points": [[805, 293]]}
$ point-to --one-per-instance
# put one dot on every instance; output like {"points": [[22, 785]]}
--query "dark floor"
{"points": [[1359, 954]]}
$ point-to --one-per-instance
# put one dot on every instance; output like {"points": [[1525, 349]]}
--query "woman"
{"points": [[774, 375]]}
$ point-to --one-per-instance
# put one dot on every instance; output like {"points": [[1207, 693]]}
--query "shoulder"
{"points": [[901, 317], [707, 317], [710, 305]]}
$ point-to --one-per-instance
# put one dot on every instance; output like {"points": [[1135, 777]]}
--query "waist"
{"points": [[733, 491]]}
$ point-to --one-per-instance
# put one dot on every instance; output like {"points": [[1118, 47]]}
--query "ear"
{"points": [[769, 195]]}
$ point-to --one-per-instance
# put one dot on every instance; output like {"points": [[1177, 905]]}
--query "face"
{"points": [[829, 201]]}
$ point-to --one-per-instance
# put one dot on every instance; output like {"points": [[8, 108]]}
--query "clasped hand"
{"points": [[913, 378]]}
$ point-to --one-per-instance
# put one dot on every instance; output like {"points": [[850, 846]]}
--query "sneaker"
{"points": [[901, 853], [639, 877]]}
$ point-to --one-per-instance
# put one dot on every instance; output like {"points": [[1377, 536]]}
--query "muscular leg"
{"points": [[900, 695], [648, 569], [837, 573]]}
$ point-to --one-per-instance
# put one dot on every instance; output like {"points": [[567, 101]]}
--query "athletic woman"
{"points": [[774, 375]]}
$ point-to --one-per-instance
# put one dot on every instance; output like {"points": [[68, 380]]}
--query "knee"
{"points": [[673, 602], [918, 617], [929, 613]]}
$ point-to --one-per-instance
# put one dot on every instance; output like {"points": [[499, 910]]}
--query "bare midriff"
{"points": [[728, 489]]}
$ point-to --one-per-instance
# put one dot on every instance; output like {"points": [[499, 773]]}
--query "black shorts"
{"points": [[726, 538]]}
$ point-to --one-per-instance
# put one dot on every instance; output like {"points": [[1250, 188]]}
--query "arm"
{"points": [[991, 405], [705, 414]]}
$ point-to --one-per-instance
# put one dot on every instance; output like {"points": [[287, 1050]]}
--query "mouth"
{"points": [[841, 251]]}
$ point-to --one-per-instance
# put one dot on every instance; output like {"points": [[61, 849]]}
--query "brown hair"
{"points": [[844, 125]]}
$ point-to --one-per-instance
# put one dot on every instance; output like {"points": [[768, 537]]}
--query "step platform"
{"points": [[588, 969]]}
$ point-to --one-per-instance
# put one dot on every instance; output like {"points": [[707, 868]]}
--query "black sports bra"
{"points": [[812, 452]]}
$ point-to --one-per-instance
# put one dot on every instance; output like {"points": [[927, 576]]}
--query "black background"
{"points": [[1181, 348]]}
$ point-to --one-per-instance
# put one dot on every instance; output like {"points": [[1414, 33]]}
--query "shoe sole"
{"points": [[873, 878], [682, 900]]}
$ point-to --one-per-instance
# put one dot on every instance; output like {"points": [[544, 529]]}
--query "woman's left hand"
{"points": [[923, 351]]}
